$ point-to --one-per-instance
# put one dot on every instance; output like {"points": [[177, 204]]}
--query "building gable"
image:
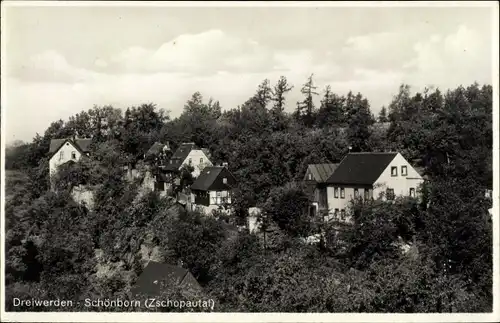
{"points": [[388, 178]]}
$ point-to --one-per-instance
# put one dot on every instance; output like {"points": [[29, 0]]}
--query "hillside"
{"points": [[52, 242]]}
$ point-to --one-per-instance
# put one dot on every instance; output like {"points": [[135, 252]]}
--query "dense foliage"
{"points": [[56, 248]]}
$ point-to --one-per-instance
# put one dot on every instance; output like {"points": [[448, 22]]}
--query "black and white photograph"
{"points": [[249, 161]]}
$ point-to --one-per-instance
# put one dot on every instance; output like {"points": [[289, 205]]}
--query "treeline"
{"points": [[51, 241]]}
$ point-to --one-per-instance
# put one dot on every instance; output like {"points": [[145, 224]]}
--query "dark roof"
{"points": [[82, 144], [159, 276], [361, 168], [321, 172], [180, 155], [156, 148], [209, 176]]}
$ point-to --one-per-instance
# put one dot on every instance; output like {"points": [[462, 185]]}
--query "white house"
{"points": [[371, 175], [188, 154], [64, 150], [213, 189]]}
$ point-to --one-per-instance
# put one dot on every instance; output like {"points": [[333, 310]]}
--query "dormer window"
{"points": [[394, 171]]}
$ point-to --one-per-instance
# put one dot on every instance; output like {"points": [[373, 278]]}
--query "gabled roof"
{"points": [[361, 168], [156, 148], [180, 155], [208, 177], [321, 172], [159, 276], [82, 144]]}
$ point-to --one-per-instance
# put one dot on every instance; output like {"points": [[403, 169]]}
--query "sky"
{"points": [[60, 60]]}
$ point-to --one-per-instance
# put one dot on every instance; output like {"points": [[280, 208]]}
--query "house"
{"points": [[64, 150], [158, 278], [369, 175], [212, 190], [315, 180], [158, 154], [188, 154]]}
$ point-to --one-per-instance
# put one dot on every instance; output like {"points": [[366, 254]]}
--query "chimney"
{"points": [[224, 164]]}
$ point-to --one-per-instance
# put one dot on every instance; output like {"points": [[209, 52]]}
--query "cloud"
{"points": [[206, 52], [53, 66], [450, 60], [379, 50]]}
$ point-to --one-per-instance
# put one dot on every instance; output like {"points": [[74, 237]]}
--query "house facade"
{"points": [[315, 180], [188, 154], [371, 175], [64, 150], [213, 190]]}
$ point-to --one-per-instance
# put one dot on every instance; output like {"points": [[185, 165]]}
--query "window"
{"points": [[170, 161], [218, 194], [342, 193], [356, 193], [61, 155], [390, 194], [190, 161], [404, 170], [412, 191], [336, 212], [310, 177], [342, 214], [73, 155], [201, 160], [394, 171], [336, 192], [367, 194], [224, 180]]}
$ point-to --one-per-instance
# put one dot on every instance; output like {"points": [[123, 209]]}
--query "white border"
{"points": [[269, 317]]}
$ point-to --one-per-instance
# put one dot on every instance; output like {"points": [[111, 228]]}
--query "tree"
{"points": [[359, 124], [331, 111], [382, 117], [264, 93], [280, 89], [288, 207], [305, 110]]}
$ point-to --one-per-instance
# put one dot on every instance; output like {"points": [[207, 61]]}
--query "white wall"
{"points": [[195, 156], [341, 203], [66, 149], [401, 184], [213, 196]]}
